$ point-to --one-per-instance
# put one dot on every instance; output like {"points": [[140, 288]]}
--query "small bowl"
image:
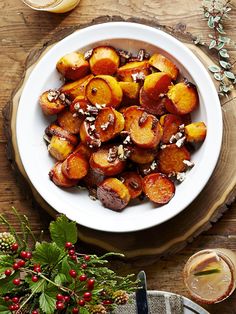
{"points": [[31, 123]]}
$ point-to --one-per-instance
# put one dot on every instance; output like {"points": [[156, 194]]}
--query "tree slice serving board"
{"points": [[174, 234]]}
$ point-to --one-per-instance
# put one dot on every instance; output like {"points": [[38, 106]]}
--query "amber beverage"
{"points": [[55, 6]]}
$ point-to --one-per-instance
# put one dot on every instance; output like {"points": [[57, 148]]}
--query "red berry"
{"points": [[23, 254], [68, 245], [87, 296], [60, 297], [90, 284], [16, 266], [28, 255], [8, 272], [82, 277], [60, 306], [15, 299], [75, 310], [16, 307], [14, 247], [11, 308], [37, 268], [34, 312], [86, 257], [73, 257], [6, 298], [73, 273], [81, 302], [34, 278], [83, 266], [66, 298], [21, 263], [106, 302], [71, 252], [16, 281]]}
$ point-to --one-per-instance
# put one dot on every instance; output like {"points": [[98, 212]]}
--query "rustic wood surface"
{"points": [[23, 30]]}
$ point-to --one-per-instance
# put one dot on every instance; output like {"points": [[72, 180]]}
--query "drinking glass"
{"points": [[55, 6]]}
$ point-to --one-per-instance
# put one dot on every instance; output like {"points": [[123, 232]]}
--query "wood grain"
{"points": [[22, 30]]}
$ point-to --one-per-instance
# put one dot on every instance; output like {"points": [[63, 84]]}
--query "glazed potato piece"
{"points": [[158, 188], [195, 132], [77, 88], [51, 105], [104, 89], [86, 135], [140, 155], [58, 178], [93, 178], [104, 60], [69, 122], [171, 159], [73, 66], [156, 107], [79, 105], [130, 114], [170, 124], [130, 92], [163, 64], [109, 123], [156, 84], [56, 130], [133, 181], [105, 161], [75, 166], [84, 150], [146, 132], [184, 98], [130, 70], [113, 194]]}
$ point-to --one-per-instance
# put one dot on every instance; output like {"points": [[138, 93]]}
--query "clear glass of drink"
{"points": [[210, 275], [55, 6]]}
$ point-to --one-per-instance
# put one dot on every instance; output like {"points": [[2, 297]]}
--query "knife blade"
{"points": [[141, 294]]}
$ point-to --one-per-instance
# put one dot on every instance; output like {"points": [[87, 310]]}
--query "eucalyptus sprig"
{"points": [[215, 12], [52, 277]]}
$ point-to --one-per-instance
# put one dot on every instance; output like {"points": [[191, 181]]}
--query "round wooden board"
{"points": [[174, 234]]}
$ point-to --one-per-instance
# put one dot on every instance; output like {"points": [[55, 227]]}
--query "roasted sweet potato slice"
{"points": [[170, 124], [140, 155], [104, 60], [87, 134], [184, 98], [195, 132], [130, 114], [75, 166], [56, 130], [84, 150], [104, 89], [158, 188], [133, 71], [146, 132], [78, 104], [73, 66], [58, 178], [171, 159], [109, 123], [51, 105], [163, 64], [130, 92], [93, 178], [156, 84], [133, 181], [156, 107], [106, 161], [113, 194], [77, 88], [69, 122]]}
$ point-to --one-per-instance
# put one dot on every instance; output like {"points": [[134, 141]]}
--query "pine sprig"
{"points": [[215, 12], [52, 277]]}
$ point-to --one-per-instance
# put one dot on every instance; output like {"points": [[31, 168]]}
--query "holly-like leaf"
{"points": [[46, 253], [6, 283], [62, 230], [214, 68], [6, 262], [47, 301], [38, 286], [60, 279]]}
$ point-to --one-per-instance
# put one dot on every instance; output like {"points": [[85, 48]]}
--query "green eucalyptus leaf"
{"points": [[225, 64], [229, 75], [62, 230], [47, 301], [218, 76], [212, 44], [211, 22], [224, 53], [224, 39], [220, 30], [46, 253], [220, 45], [214, 68]]}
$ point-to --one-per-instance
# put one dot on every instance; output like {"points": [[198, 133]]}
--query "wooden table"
{"points": [[21, 30]]}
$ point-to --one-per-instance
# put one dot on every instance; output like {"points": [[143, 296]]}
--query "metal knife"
{"points": [[141, 294]]}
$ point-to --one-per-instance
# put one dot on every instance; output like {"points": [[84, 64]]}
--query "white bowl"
{"points": [[31, 123]]}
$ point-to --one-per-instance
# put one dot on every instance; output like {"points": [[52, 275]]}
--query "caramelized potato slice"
{"points": [[73, 66], [140, 155], [156, 84], [146, 132], [130, 92], [69, 122], [103, 162], [171, 159], [104, 60], [58, 178], [113, 194], [195, 132], [77, 88], [84, 150], [104, 89], [93, 178], [133, 181], [156, 107], [86, 135], [184, 98], [163, 64], [75, 166], [49, 105], [109, 123], [130, 114], [56, 130], [60, 148], [170, 124], [128, 71], [158, 188], [79, 103]]}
